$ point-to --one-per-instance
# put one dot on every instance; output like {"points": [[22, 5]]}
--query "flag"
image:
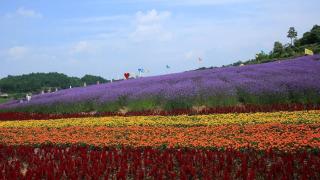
{"points": [[141, 70], [308, 52]]}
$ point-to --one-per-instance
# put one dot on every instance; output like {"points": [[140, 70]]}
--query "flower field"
{"points": [[294, 81], [252, 122], [159, 90], [262, 145], [216, 110], [84, 162]]}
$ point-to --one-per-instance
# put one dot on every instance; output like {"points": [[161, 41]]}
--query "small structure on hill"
{"points": [[4, 95], [28, 97]]}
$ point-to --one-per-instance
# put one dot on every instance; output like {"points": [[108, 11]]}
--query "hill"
{"points": [[287, 81], [36, 82], [309, 40]]}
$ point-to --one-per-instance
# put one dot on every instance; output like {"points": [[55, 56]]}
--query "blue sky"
{"points": [[110, 37]]}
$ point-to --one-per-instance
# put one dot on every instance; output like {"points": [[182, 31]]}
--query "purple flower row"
{"points": [[296, 75]]}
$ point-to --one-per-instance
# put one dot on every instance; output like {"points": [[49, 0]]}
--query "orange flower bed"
{"points": [[260, 136]]}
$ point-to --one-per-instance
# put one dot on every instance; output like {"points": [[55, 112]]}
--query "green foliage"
{"points": [[178, 103], [143, 104], [122, 100], [310, 40], [310, 37], [277, 49], [238, 63], [305, 97], [292, 34], [219, 101], [109, 107], [3, 100], [35, 82], [262, 57], [60, 108], [90, 79]]}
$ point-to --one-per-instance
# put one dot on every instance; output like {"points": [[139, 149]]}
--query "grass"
{"points": [[3, 100]]}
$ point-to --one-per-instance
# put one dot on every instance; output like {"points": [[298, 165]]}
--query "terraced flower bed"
{"points": [[217, 110], [270, 145], [85, 162]]}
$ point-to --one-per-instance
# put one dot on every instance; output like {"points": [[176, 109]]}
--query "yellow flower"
{"points": [[297, 117]]}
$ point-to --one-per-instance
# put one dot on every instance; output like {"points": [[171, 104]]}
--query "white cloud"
{"points": [[150, 26], [193, 2], [97, 19], [209, 2], [82, 47], [18, 52], [24, 12], [152, 16]]}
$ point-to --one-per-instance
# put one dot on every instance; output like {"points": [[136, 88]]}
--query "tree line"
{"points": [[36, 82], [309, 40]]}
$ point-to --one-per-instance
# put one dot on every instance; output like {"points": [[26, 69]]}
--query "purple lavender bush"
{"points": [[285, 81]]}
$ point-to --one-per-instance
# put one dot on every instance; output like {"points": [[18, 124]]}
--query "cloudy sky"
{"points": [[110, 37]]}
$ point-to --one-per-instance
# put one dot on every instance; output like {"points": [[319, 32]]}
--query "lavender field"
{"points": [[286, 81]]}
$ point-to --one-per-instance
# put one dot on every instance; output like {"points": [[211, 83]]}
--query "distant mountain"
{"points": [[36, 82]]}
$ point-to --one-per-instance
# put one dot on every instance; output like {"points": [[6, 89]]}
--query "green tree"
{"points": [[277, 49], [36, 82], [292, 34], [311, 37], [90, 79], [261, 57]]}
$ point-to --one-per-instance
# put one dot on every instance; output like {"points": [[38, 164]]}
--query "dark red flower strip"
{"points": [[87, 162], [216, 110]]}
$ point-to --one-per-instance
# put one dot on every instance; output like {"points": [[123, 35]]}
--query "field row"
{"points": [[287, 137], [297, 117], [5, 116], [84, 162]]}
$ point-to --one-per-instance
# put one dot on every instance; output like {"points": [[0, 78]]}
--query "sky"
{"points": [[110, 37]]}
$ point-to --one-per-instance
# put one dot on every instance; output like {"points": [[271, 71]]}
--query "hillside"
{"points": [[287, 81], [309, 40], [36, 82]]}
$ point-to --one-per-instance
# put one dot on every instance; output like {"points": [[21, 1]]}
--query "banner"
{"points": [[308, 52]]}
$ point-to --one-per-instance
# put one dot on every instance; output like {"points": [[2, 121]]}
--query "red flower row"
{"points": [[84, 162], [216, 110]]}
